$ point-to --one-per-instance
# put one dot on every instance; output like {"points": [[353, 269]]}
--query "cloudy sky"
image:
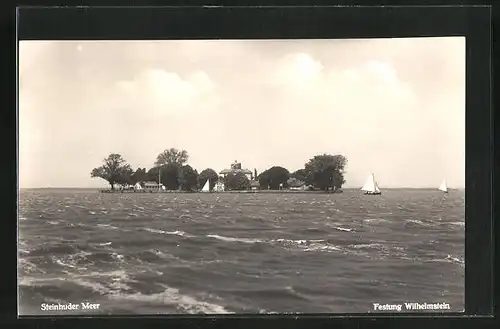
{"points": [[394, 107]]}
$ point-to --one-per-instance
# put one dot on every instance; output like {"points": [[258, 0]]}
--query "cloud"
{"points": [[297, 70], [341, 93], [165, 92], [381, 71]]}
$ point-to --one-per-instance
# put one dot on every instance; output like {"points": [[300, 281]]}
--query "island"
{"points": [[171, 173]]}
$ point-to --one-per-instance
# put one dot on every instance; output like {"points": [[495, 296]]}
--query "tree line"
{"points": [[324, 172]]}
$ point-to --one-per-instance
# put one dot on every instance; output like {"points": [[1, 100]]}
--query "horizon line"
{"points": [[346, 188]]}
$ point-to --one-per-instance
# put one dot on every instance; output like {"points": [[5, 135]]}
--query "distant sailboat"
{"points": [[371, 186], [443, 187], [206, 187]]}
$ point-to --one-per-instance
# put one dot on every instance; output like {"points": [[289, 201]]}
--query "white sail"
{"points": [[370, 184], [443, 187], [206, 187]]}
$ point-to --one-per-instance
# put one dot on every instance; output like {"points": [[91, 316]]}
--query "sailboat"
{"points": [[206, 187], [443, 187], [371, 186]]}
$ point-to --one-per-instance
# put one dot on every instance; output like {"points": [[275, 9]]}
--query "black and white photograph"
{"points": [[241, 176]]}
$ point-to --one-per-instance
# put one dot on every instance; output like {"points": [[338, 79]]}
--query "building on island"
{"points": [[219, 186], [152, 186], [127, 187], [255, 185], [235, 169], [295, 184]]}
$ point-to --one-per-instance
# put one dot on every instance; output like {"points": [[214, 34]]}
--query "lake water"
{"points": [[137, 253]]}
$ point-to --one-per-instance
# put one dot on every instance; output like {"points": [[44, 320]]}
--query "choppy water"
{"points": [[239, 253]]}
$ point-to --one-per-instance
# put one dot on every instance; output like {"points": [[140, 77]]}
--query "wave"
{"points": [[299, 244], [119, 257], [53, 249], [233, 239], [81, 279], [28, 267], [461, 224], [172, 296], [308, 245], [286, 292], [30, 281], [344, 229], [109, 226], [81, 259], [102, 257], [96, 286], [377, 246], [177, 232], [163, 255], [418, 222], [61, 263], [290, 241], [376, 250], [455, 260], [447, 259], [375, 220], [320, 247]]}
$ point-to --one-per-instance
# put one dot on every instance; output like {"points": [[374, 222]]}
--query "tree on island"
{"points": [[125, 176], [172, 156], [274, 177], [188, 178], [152, 174], [326, 171], [171, 176], [171, 162], [208, 174], [237, 181], [168, 176], [139, 176], [299, 175], [113, 170]]}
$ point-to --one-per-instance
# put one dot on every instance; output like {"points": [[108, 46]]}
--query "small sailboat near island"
{"points": [[371, 186], [206, 187], [443, 187]]}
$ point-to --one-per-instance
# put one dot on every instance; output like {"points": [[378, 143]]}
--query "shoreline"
{"points": [[259, 191], [224, 192]]}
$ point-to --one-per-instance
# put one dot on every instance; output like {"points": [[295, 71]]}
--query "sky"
{"points": [[393, 107]]}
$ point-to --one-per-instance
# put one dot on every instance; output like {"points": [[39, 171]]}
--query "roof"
{"points": [[235, 171], [294, 182], [151, 184]]}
